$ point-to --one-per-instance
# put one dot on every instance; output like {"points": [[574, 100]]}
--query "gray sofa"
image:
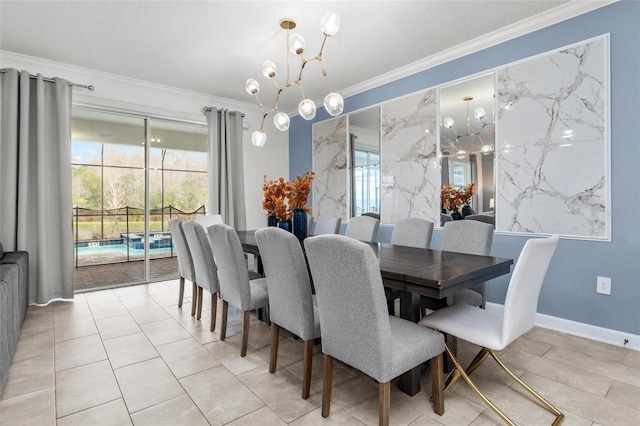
{"points": [[14, 300]]}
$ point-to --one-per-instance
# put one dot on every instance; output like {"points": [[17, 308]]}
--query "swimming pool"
{"points": [[120, 249]]}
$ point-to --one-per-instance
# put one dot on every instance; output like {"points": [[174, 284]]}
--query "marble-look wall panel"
{"points": [[552, 167], [410, 171], [330, 167]]}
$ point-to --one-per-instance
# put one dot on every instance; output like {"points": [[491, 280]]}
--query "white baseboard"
{"points": [[587, 331]]}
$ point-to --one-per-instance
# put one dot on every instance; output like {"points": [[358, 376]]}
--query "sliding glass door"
{"points": [[130, 176]]}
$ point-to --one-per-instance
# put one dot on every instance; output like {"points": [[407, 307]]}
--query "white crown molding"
{"points": [[96, 78], [587, 331], [561, 13]]}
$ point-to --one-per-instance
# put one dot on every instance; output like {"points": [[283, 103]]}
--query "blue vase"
{"points": [[300, 224], [272, 221], [285, 224]]}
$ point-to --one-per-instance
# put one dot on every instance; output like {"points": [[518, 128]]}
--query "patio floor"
{"points": [[113, 274]]}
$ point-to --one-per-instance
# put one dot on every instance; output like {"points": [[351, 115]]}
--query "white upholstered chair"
{"points": [[185, 263], [235, 286], [204, 265], [494, 331], [291, 304], [355, 326], [363, 228]]}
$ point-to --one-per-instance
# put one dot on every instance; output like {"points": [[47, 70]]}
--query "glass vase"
{"points": [[300, 224]]}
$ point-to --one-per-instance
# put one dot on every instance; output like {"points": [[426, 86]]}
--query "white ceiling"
{"points": [[213, 47]]}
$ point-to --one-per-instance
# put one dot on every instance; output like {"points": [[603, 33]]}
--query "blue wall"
{"points": [[569, 288]]}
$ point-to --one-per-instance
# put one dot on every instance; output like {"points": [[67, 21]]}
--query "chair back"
{"points": [[310, 222], [288, 284], [185, 262], [203, 262], [353, 311], [412, 232], [232, 269], [327, 225], [363, 228], [444, 218], [208, 220], [486, 218], [521, 301], [469, 237]]}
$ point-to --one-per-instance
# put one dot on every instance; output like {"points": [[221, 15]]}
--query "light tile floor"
{"points": [[131, 356]]}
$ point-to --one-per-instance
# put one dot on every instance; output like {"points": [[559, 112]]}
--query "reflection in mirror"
{"points": [[364, 145], [467, 141]]}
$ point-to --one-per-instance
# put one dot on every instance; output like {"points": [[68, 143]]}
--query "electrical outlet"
{"points": [[603, 285]]}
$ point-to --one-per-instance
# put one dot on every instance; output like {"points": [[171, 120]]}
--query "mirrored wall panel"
{"points": [[330, 167], [364, 143], [409, 158], [467, 143], [553, 144]]}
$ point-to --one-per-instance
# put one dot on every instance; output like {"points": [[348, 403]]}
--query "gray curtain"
{"points": [[35, 176], [226, 172]]}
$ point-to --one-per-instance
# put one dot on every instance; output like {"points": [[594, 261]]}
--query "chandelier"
{"points": [[333, 102], [479, 113]]}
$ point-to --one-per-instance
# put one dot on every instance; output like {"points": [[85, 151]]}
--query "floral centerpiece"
{"points": [[452, 199], [284, 200]]}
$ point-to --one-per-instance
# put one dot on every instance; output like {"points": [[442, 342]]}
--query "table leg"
{"points": [[410, 310]]}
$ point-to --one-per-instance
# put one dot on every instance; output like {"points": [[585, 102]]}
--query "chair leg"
{"points": [[223, 326], [536, 395], [194, 298], [308, 360], [214, 311], [384, 401], [200, 297], [181, 296], [245, 332], [437, 384], [273, 357], [327, 365]]}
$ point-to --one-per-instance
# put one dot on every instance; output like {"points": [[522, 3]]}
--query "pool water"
{"points": [[120, 249]]}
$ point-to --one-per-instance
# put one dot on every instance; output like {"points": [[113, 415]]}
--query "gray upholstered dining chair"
{"points": [[355, 326], [204, 265], [235, 286], [486, 218], [493, 331], [363, 228], [471, 237], [412, 232], [291, 304], [185, 262], [408, 232], [327, 225]]}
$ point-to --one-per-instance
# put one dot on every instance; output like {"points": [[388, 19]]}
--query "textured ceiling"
{"points": [[212, 47]]}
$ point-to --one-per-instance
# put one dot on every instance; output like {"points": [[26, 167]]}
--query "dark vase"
{"points": [[456, 216], [300, 224], [272, 221], [285, 224], [466, 211]]}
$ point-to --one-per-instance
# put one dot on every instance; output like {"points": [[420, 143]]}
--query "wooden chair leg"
{"points": [[245, 332], [194, 298], [307, 364], [437, 384], [384, 402], [273, 357], [181, 296], [214, 311], [327, 365], [223, 326], [200, 297]]}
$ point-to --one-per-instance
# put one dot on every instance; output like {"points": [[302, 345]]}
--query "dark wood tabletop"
{"points": [[418, 274]]}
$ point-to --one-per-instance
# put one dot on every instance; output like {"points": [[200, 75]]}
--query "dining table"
{"points": [[423, 277]]}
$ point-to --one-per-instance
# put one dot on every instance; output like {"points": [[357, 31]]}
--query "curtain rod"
{"points": [[231, 112], [51, 80]]}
